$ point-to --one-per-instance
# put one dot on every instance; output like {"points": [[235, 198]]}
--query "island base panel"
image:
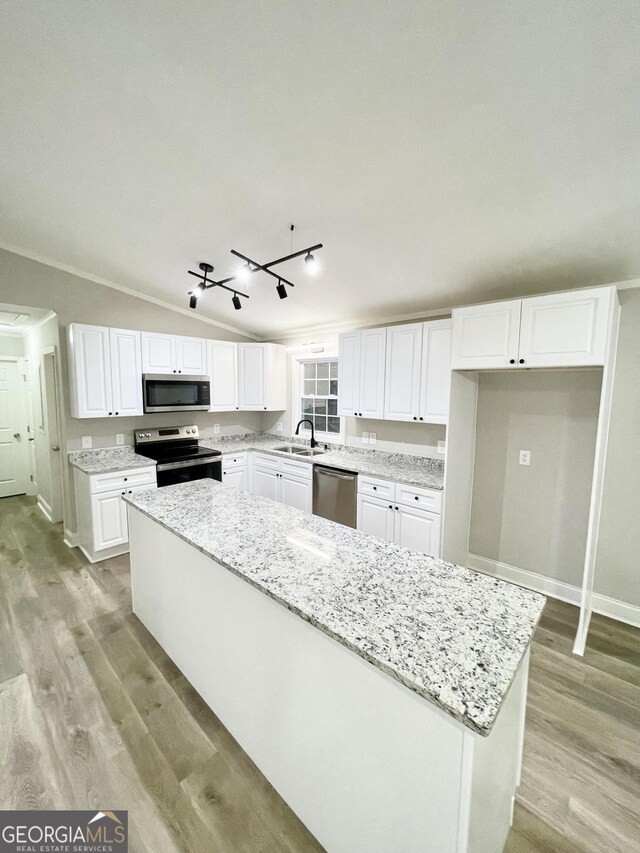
{"points": [[365, 763]]}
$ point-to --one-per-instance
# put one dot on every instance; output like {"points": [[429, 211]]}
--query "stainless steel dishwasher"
{"points": [[334, 494]]}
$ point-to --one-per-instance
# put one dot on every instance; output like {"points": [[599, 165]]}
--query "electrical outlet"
{"points": [[365, 438], [279, 427], [372, 438], [120, 438], [216, 428], [442, 447], [87, 442], [525, 457]]}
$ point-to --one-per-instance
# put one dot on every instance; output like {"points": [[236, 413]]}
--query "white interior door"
{"points": [[51, 450], [14, 475]]}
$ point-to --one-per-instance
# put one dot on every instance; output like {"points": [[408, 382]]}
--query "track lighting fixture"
{"points": [[248, 268], [311, 264]]}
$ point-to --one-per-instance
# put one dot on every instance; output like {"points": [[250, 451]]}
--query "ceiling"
{"points": [[18, 319], [444, 151]]}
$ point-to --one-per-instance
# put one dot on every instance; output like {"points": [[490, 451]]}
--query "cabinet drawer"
{"points": [[382, 489], [428, 499], [99, 483], [304, 470], [271, 463], [236, 460]]}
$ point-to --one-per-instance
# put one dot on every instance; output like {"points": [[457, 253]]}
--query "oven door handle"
{"points": [[187, 463]]}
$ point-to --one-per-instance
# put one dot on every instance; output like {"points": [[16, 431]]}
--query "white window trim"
{"points": [[298, 388]]}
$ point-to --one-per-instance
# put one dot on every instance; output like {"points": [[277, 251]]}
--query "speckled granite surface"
{"points": [[399, 467], [109, 460], [452, 635]]}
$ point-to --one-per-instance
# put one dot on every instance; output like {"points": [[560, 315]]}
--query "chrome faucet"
{"points": [[313, 442]]}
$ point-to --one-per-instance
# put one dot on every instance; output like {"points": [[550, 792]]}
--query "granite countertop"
{"points": [[109, 460], [454, 636], [419, 471]]}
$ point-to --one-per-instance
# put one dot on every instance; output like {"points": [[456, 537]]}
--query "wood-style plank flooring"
{"points": [[93, 714]]}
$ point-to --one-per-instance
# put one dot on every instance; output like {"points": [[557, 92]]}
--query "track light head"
{"points": [[244, 273], [193, 302], [311, 264], [199, 288], [281, 290], [236, 302]]}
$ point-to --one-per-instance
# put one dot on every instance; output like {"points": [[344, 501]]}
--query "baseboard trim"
{"points": [[44, 508], [602, 604], [70, 539]]}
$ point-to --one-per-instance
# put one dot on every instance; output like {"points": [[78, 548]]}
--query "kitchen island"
{"points": [[380, 691]]}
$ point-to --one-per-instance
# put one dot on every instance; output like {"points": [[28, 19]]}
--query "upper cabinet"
{"points": [[173, 354], [223, 371], [105, 372], [401, 373], [361, 366], [556, 330], [262, 377]]}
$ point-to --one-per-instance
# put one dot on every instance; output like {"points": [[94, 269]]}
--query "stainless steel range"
{"points": [[178, 454]]}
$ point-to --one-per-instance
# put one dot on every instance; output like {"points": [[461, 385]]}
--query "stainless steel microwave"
{"points": [[169, 393]]}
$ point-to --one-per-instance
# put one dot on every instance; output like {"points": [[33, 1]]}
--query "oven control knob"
{"points": [[188, 432]]}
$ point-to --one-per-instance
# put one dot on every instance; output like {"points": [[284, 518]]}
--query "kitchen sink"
{"points": [[299, 451]]}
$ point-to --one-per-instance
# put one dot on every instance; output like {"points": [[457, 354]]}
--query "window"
{"points": [[319, 396]]}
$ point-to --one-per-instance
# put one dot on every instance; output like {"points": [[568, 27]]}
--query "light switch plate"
{"points": [[442, 446], [525, 457], [279, 427], [216, 428], [372, 438], [87, 442], [365, 437], [120, 438]]}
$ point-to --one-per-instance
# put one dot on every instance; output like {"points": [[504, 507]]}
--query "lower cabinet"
{"points": [[235, 471], [397, 513], [283, 480], [103, 531]]}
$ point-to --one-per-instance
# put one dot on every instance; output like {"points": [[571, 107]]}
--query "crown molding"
{"points": [[187, 312], [326, 328]]}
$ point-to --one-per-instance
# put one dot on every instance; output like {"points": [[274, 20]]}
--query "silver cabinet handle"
{"points": [[16, 435]]}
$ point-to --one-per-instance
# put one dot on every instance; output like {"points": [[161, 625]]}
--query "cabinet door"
{"points": [[236, 477], [418, 530], [296, 492], [373, 345], [266, 484], [485, 336], [191, 356], [223, 370], [402, 376], [126, 372], [435, 380], [158, 353], [251, 377], [109, 520], [349, 374], [90, 363], [565, 329], [375, 517]]}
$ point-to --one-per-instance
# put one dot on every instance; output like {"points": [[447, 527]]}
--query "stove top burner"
{"points": [[172, 444]]}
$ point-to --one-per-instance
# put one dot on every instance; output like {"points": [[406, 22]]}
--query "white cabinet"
{"points": [[557, 330], [361, 373], [223, 372], [435, 381], [565, 329], [406, 515], [235, 471], [105, 376], [126, 372], [102, 514], [283, 480], [173, 354], [403, 369], [262, 377]]}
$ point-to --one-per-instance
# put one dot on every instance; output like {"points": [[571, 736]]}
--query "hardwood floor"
{"points": [[94, 714]]}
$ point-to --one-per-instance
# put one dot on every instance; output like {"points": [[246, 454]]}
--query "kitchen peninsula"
{"points": [[380, 691]]}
